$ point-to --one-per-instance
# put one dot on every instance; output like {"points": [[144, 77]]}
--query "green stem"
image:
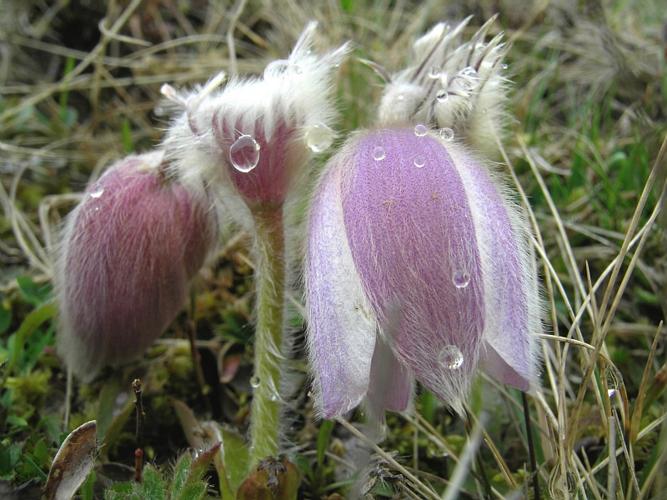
{"points": [[270, 284]]}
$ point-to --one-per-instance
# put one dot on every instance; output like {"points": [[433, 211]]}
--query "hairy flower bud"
{"points": [[128, 251], [252, 139], [413, 236]]}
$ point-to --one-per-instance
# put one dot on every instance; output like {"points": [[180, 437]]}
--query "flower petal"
{"points": [[391, 383], [510, 280], [341, 330], [413, 241]]}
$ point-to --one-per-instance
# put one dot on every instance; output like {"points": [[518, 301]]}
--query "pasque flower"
{"points": [[418, 261], [252, 139], [128, 252]]}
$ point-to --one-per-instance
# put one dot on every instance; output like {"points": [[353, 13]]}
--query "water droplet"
{"points": [[434, 72], [460, 279], [469, 71], [274, 396], [400, 97], [419, 161], [420, 130], [442, 95], [276, 69], [451, 357], [504, 66], [611, 393], [254, 382], [244, 153], [446, 133], [97, 193], [378, 153], [319, 137], [296, 69]]}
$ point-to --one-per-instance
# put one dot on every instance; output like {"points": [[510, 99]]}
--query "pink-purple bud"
{"points": [[128, 252], [415, 238]]}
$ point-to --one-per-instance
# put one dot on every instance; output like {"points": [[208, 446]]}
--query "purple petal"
{"points": [[128, 252], [391, 383], [412, 236], [341, 330], [511, 291]]}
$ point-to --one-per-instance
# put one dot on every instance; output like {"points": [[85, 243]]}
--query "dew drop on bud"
{"points": [[244, 153], [378, 153], [275, 69], [446, 133], [419, 161], [254, 382], [442, 96], [97, 193], [469, 71], [451, 357], [460, 279], [420, 130], [319, 137]]}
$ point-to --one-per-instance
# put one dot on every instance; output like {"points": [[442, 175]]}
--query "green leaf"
{"points": [[32, 292], [30, 324], [323, 438], [16, 421], [235, 459], [5, 317]]}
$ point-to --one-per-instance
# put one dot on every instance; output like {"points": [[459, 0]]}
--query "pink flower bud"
{"points": [[415, 238], [252, 140], [128, 251]]}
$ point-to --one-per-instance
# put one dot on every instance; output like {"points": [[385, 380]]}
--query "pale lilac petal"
{"points": [[391, 384], [510, 281], [128, 252], [412, 237], [341, 329]]}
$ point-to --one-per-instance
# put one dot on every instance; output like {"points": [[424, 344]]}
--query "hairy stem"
{"points": [[270, 283]]}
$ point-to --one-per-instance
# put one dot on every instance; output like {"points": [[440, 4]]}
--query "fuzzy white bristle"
{"points": [[453, 84]]}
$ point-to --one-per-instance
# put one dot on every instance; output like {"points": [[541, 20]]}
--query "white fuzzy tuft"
{"points": [[296, 92], [453, 84]]}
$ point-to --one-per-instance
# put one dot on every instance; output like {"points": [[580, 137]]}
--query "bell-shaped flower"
{"points": [[252, 139], [127, 254], [418, 260], [418, 264]]}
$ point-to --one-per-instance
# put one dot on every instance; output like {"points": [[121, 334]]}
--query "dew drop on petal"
{"points": [[420, 130], [319, 137], [446, 133], [244, 153], [451, 357], [442, 95], [97, 193], [275, 69], [419, 161], [460, 279], [378, 153], [254, 382]]}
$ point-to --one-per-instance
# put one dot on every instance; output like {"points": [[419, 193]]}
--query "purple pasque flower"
{"points": [[418, 265], [127, 254], [418, 261], [252, 139]]}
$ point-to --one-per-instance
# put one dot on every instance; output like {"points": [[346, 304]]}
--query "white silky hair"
{"points": [[453, 84]]}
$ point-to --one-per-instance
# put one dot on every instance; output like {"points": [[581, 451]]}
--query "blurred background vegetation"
{"points": [[79, 88]]}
